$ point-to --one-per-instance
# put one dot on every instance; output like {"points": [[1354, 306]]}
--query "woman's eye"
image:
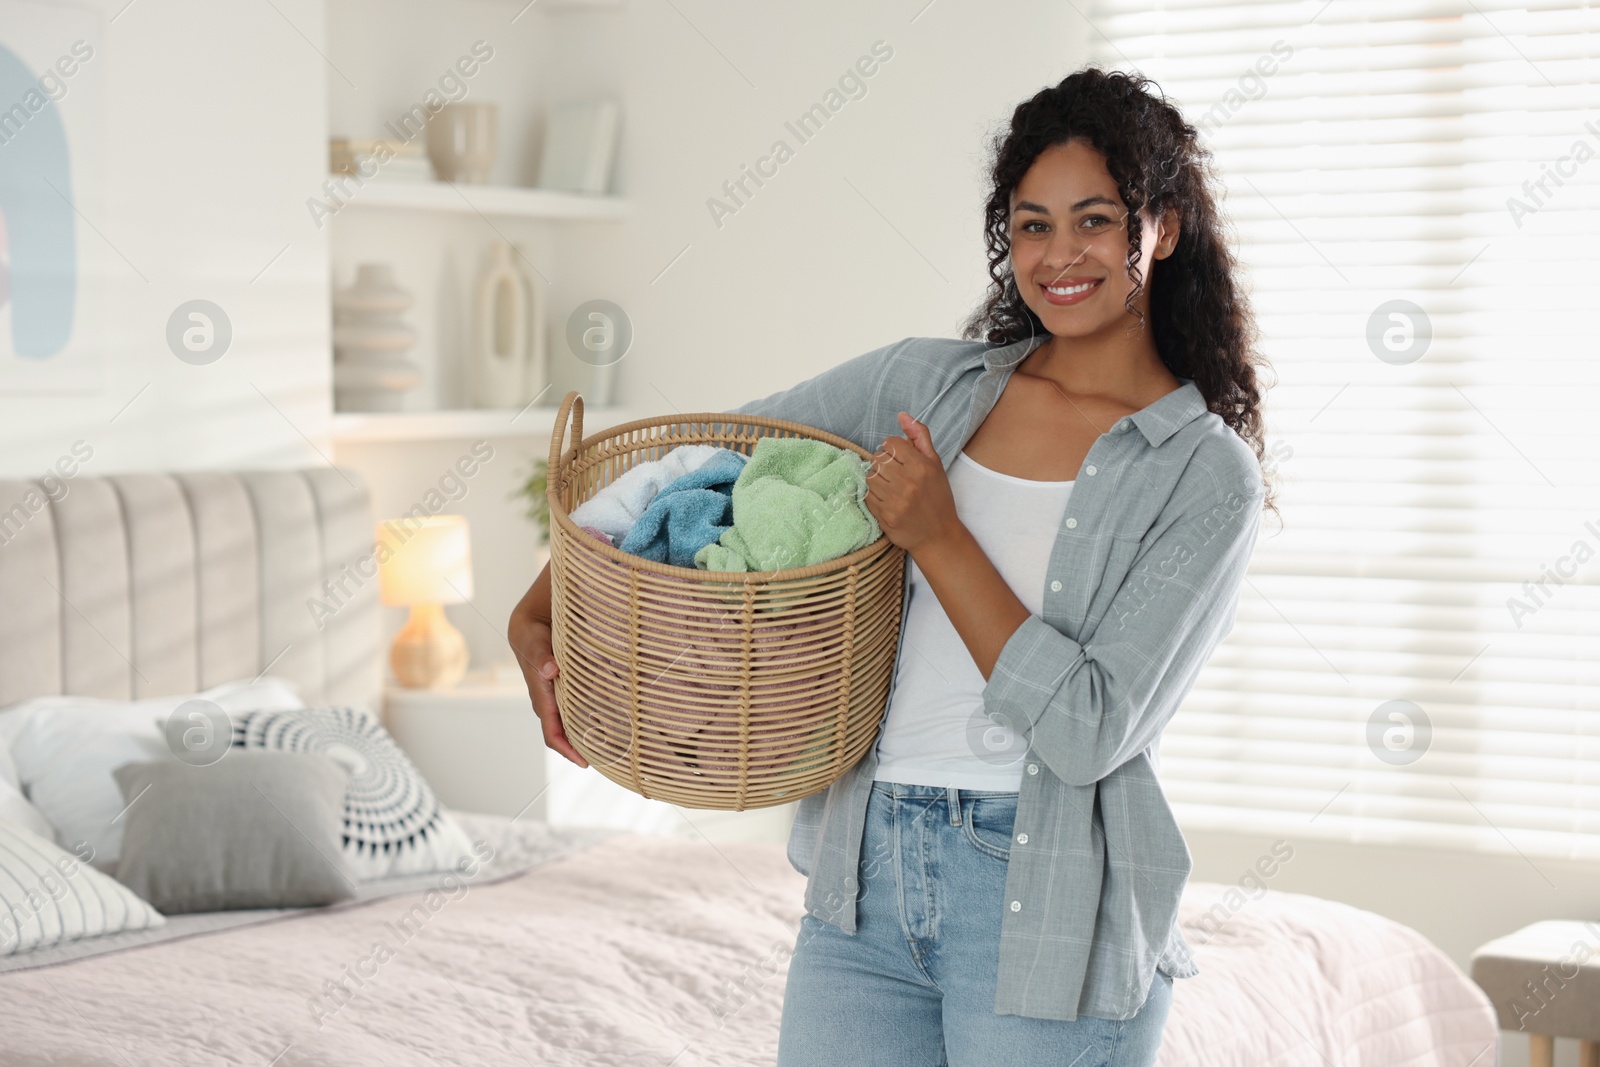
{"points": [[1027, 227], [1095, 222]]}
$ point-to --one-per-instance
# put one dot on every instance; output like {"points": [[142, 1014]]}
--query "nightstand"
{"points": [[479, 745]]}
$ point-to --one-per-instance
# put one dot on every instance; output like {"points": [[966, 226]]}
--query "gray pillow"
{"points": [[253, 830]]}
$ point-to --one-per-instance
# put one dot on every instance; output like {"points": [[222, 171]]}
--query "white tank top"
{"points": [[937, 732]]}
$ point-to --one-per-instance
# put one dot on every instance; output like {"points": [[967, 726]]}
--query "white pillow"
{"points": [[48, 896], [12, 718], [65, 749], [14, 808]]}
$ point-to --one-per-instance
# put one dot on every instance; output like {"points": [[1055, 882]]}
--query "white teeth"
{"points": [[1068, 291]]}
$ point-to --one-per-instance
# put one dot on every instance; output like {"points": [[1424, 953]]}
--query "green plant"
{"points": [[536, 506]]}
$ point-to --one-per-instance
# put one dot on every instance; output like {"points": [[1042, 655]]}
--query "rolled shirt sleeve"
{"points": [[1086, 709]]}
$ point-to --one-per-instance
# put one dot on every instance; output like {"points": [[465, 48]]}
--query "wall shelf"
{"points": [[538, 421], [499, 201], [563, 5]]}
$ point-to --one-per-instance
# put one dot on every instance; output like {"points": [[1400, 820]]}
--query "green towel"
{"points": [[797, 502]]}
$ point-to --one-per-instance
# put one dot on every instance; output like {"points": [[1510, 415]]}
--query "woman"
{"points": [[997, 881]]}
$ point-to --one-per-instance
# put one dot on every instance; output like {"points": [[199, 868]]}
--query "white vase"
{"points": [[602, 385], [536, 362], [500, 324], [370, 342]]}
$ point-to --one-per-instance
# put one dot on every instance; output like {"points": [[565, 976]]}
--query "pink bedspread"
{"points": [[658, 951], [1288, 980]]}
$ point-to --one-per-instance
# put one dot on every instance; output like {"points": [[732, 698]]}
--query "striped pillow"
{"points": [[49, 896]]}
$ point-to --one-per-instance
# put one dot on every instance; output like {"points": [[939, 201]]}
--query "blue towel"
{"points": [[689, 513]]}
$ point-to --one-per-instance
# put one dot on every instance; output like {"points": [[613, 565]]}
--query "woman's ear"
{"points": [[1170, 222]]}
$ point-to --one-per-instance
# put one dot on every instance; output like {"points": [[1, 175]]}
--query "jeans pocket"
{"points": [[988, 824]]}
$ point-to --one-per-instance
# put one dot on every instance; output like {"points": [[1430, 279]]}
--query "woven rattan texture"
{"points": [[748, 691]]}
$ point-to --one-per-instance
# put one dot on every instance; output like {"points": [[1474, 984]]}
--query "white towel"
{"points": [[616, 507]]}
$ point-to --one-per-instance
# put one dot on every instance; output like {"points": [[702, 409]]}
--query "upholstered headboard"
{"points": [[142, 585]]}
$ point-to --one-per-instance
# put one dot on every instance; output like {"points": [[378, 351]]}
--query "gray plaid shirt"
{"points": [[1143, 583]]}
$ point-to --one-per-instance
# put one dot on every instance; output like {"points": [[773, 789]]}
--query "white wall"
{"points": [[809, 272], [214, 132]]}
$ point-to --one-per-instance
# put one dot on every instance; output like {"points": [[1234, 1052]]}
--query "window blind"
{"points": [[1413, 192]]}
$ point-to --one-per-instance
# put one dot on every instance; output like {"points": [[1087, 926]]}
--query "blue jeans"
{"points": [[915, 985]]}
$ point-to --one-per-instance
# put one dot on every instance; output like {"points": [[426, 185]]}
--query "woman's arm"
{"points": [[530, 638], [1086, 709], [908, 491], [981, 606]]}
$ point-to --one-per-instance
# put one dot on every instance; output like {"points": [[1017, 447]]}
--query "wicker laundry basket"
{"points": [[712, 689]]}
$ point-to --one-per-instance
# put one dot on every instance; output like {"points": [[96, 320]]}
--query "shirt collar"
{"points": [[1157, 421]]}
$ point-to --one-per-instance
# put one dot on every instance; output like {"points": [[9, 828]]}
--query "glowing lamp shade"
{"points": [[429, 565], [433, 566]]}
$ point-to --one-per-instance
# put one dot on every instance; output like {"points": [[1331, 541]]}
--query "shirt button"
{"points": [[1022, 839], [1016, 905], [1090, 470], [1122, 427], [1033, 768], [1072, 524], [1055, 587]]}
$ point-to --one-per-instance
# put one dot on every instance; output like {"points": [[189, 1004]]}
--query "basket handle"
{"points": [[572, 402]]}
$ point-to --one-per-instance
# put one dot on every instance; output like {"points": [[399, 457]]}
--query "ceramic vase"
{"points": [[602, 385], [536, 362], [463, 140], [370, 342], [509, 360]]}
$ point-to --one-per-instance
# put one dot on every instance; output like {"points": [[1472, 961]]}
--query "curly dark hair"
{"points": [[1202, 324]]}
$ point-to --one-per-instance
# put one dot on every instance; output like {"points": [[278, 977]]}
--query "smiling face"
{"points": [[1069, 243]]}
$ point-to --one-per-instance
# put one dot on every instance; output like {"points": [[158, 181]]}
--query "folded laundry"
{"points": [[688, 514], [615, 507], [601, 534], [797, 502]]}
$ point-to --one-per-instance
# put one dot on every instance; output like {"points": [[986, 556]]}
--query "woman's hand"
{"points": [[908, 491], [531, 641]]}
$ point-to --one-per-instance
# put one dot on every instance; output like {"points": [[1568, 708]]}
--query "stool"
{"points": [[1544, 981]]}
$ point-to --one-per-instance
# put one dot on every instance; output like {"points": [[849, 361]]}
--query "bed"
{"points": [[573, 945]]}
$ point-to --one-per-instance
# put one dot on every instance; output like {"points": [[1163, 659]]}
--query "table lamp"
{"points": [[432, 567]]}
